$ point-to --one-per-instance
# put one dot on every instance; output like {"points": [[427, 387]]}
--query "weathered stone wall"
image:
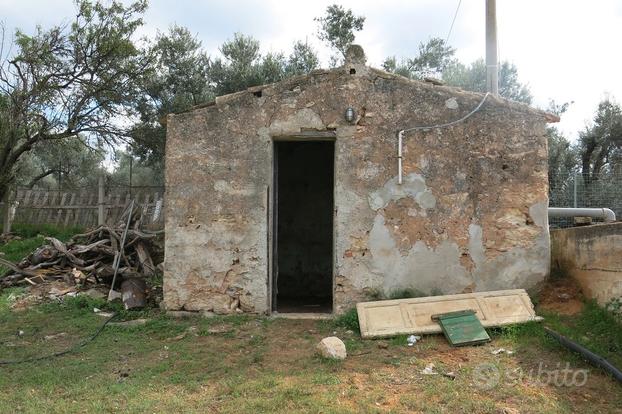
{"points": [[590, 255], [470, 215]]}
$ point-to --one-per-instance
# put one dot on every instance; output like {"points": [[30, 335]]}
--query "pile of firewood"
{"points": [[87, 259]]}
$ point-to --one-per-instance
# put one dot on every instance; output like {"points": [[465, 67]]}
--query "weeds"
{"points": [[406, 293], [600, 331], [349, 320], [596, 328], [518, 331], [322, 378], [353, 345], [399, 340], [615, 306], [9, 296]]}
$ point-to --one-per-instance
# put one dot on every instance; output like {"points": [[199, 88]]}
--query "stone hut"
{"points": [[287, 197]]}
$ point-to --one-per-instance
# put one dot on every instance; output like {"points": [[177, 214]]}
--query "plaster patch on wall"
{"points": [[422, 268], [524, 267], [353, 219], [439, 269], [476, 244], [413, 185], [366, 277], [381, 244], [369, 170], [264, 134], [225, 187], [520, 266], [348, 201], [539, 213], [426, 200], [414, 212], [451, 103], [304, 118]]}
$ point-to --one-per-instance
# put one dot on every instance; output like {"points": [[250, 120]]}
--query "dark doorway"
{"points": [[303, 226]]}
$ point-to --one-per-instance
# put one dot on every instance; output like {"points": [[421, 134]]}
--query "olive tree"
{"points": [[71, 82]]}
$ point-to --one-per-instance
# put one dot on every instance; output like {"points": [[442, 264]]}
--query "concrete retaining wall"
{"points": [[593, 256]]}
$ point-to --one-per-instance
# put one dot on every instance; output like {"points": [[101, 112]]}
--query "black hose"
{"points": [[66, 351], [589, 355]]}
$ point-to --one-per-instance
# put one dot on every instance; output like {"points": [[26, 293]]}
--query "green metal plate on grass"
{"points": [[462, 328]]}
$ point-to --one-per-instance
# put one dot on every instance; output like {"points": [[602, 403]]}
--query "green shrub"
{"points": [[615, 306], [349, 320]]}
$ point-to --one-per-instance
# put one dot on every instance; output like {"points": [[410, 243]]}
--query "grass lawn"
{"points": [[257, 364]]}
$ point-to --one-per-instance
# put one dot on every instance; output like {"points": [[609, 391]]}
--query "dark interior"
{"points": [[304, 226]]}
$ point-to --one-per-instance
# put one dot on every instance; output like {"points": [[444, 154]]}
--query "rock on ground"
{"points": [[95, 293], [332, 347]]}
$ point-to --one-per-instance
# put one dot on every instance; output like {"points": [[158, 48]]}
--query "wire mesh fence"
{"points": [[575, 190]]}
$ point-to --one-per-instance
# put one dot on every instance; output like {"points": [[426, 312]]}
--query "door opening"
{"points": [[302, 279]]}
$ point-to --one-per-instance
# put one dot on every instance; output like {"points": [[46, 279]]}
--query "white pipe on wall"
{"points": [[603, 213], [400, 138], [400, 134]]}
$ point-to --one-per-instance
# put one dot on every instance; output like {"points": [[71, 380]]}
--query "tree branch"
{"points": [[39, 177]]}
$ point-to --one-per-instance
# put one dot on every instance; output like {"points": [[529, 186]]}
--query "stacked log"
{"points": [[87, 259]]}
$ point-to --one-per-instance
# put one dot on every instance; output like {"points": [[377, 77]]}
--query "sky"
{"points": [[566, 50]]}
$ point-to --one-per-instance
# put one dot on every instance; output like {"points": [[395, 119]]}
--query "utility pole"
{"points": [[492, 68]]}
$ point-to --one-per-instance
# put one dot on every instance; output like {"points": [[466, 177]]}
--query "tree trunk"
{"points": [[7, 173]]}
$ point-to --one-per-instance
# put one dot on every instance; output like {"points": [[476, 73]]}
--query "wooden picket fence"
{"points": [[85, 207]]}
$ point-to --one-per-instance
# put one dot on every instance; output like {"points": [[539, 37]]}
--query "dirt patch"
{"points": [[40, 293], [561, 295], [54, 288]]}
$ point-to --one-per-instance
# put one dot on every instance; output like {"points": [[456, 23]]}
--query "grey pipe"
{"points": [[587, 354], [602, 213]]}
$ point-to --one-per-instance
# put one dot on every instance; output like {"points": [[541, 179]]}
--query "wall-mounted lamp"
{"points": [[350, 114]]}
